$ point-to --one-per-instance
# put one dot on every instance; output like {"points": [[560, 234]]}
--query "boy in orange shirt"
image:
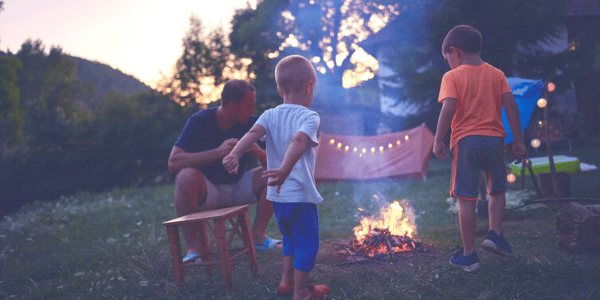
{"points": [[473, 94]]}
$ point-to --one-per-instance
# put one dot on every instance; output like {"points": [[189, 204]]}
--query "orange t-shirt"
{"points": [[478, 92]]}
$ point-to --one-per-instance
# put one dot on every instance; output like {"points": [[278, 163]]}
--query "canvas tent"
{"points": [[526, 93], [401, 155]]}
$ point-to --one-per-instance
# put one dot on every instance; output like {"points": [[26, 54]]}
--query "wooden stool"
{"points": [[240, 227]]}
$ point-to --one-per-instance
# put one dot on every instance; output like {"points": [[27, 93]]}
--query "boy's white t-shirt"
{"points": [[281, 124]]}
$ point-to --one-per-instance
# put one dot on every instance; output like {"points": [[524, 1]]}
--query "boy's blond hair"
{"points": [[292, 73], [464, 37]]}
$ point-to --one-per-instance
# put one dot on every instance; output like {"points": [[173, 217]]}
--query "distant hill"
{"points": [[105, 79]]}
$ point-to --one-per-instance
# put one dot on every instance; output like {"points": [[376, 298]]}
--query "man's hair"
{"points": [[235, 90], [293, 72], [464, 37]]}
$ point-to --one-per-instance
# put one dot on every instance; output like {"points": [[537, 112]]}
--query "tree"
{"points": [[201, 67], [325, 31], [511, 30], [11, 116], [48, 92]]}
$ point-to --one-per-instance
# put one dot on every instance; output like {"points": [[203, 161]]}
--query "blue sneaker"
{"points": [[496, 244], [469, 263]]}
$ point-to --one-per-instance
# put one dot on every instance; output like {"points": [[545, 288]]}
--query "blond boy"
{"points": [[291, 136]]}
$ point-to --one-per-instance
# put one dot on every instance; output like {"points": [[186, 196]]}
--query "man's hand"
{"points": [[518, 152], [227, 146], [439, 149], [231, 163], [278, 176]]}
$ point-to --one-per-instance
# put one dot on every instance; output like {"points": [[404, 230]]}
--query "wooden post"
{"points": [[224, 257], [204, 246], [248, 242], [548, 148], [176, 259]]}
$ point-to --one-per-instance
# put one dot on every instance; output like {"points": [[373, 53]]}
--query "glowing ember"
{"points": [[394, 218]]}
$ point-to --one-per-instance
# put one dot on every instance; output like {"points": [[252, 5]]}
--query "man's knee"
{"points": [[188, 176], [258, 182], [190, 180]]}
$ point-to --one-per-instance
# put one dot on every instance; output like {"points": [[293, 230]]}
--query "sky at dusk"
{"points": [[140, 38]]}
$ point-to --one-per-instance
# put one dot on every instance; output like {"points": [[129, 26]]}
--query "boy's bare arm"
{"points": [[444, 122], [293, 153], [514, 121], [231, 161]]}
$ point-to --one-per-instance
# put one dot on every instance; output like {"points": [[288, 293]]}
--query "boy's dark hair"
{"points": [[235, 90], [464, 37]]}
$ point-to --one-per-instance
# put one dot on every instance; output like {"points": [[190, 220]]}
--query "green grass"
{"points": [[113, 246]]}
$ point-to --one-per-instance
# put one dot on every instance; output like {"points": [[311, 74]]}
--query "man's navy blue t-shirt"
{"points": [[202, 133]]}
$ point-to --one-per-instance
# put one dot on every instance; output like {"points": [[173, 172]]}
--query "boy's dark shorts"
{"points": [[472, 155], [299, 226]]}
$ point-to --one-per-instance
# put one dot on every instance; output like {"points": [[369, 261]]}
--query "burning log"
{"points": [[387, 236]]}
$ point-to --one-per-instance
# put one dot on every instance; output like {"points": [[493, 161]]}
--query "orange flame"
{"points": [[398, 219]]}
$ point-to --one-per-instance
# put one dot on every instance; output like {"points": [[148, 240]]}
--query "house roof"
{"points": [[583, 7]]}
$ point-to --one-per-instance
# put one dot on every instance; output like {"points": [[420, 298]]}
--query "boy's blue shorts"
{"points": [[299, 225], [472, 155]]}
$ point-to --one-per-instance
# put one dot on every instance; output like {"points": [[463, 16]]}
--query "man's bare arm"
{"points": [[180, 159]]}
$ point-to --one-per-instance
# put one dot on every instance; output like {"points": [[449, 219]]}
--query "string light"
{"points": [[541, 123], [361, 151], [511, 177], [551, 87], [542, 103], [535, 143]]}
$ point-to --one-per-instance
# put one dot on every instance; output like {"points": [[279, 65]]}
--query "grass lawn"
{"points": [[113, 246]]}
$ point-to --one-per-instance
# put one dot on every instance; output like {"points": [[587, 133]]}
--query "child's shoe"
{"points": [[469, 263], [496, 244]]}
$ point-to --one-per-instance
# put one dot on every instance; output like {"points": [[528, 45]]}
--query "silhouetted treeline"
{"points": [[58, 140]]}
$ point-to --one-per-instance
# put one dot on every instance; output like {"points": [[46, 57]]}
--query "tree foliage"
{"points": [[11, 116], [201, 66], [511, 32], [325, 31], [71, 145]]}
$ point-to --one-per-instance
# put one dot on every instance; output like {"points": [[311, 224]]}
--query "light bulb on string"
{"points": [[511, 177], [535, 143], [339, 145], [380, 148], [551, 87], [542, 103], [332, 141]]}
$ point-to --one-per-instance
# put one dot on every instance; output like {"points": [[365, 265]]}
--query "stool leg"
{"points": [[204, 246], [224, 258], [248, 242], [175, 250]]}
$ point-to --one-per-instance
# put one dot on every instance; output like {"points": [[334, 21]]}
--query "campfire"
{"points": [[385, 236]]}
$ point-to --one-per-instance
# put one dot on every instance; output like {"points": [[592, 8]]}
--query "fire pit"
{"points": [[387, 236]]}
